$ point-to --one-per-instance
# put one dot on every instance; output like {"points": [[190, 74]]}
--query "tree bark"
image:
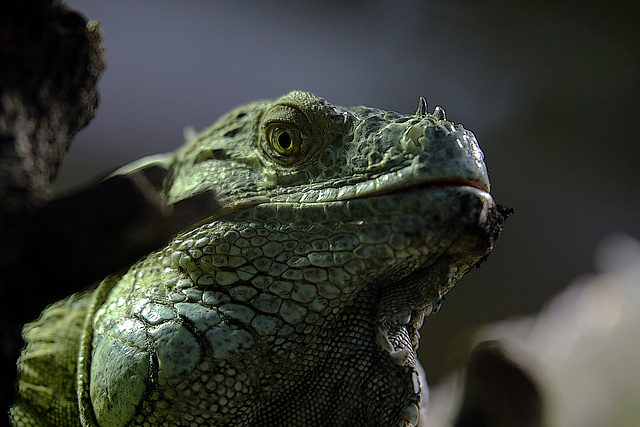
{"points": [[50, 63]]}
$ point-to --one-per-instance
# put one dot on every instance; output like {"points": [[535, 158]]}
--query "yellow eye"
{"points": [[284, 140]]}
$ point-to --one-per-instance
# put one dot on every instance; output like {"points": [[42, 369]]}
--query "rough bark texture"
{"points": [[50, 62]]}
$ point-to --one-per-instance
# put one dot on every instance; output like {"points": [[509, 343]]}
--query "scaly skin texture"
{"points": [[299, 301]]}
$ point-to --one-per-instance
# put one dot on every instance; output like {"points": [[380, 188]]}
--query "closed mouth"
{"points": [[438, 183]]}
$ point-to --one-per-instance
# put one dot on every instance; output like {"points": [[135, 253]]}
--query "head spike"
{"points": [[439, 113], [422, 107]]}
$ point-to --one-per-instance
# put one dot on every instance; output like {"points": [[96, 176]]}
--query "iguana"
{"points": [[296, 303]]}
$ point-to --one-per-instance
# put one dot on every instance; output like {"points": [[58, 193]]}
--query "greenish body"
{"points": [[299, 301]]}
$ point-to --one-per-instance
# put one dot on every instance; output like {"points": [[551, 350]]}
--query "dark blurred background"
{"points": [[551, 90]]}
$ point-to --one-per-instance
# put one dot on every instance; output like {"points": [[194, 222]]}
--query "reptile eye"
{"points": [[282, 141], [285, 141]]}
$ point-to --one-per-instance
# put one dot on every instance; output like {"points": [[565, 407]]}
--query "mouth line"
{"points": [[435, 183]]}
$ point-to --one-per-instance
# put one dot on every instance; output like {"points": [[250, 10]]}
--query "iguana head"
{"points": [[300, 144], [353, 165], [325, 204]]}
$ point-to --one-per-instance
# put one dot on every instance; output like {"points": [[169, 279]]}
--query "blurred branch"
{"points": [[498, 392], [50, 62]]}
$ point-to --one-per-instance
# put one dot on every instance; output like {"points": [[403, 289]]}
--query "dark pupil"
{"points": [[284, 140]]}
